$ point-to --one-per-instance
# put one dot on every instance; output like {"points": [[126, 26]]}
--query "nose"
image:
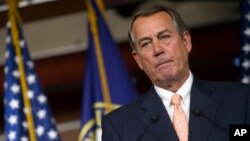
{"points": [[158, 49]]}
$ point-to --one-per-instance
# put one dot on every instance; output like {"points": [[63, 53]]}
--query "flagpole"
{"points": [[101, 68], [107, 82], [15, 20]]}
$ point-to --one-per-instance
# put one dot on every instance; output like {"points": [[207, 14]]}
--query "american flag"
{"points": [[245, 42], [17, 126]]}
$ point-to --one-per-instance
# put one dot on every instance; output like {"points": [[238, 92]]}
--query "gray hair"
{"points": [[177, 19]]}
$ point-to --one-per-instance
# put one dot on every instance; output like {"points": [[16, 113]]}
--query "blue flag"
{"points": [[27, 115], [245, 42], [107, 84]]}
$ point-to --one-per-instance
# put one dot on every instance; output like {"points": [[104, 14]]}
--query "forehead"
{"points": [[159, 16], [152, 24]]}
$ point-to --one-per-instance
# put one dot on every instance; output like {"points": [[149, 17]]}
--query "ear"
{"points": [[187, 41], [137, 59]]}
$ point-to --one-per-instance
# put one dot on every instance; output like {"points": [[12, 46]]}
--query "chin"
{"points": [[164, 78]]}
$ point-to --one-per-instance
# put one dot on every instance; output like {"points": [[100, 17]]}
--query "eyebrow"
{"points": [[163, 31], [144, 38], [158, 34]]}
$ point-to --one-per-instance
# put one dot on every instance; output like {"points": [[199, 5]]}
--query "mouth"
{"points": [[158, 65]]}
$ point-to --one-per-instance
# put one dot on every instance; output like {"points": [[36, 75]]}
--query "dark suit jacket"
{"points": [[223, 103]]}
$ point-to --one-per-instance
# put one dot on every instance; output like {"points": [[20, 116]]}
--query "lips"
{"points": [[162, 63]]}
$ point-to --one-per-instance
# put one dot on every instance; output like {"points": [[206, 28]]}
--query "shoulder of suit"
{"points": [[224, 86], [126, 110]]}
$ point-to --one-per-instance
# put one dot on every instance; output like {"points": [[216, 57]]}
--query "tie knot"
{"points": [[175, 99]]}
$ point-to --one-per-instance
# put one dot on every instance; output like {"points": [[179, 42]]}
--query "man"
{"points": [[161, 45]]}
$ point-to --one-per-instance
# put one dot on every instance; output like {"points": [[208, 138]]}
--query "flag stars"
{"points": [[16, 73], [40, 130], [8, 40], [15, 88], [12, 135], [26, 110], [42, 99], [30, 64], [24, 138], [52, 134], [246, 64], [41, 114], [246, 48], [12, 119], [247, 16], [8, 24], [17, 59], [31, 94], [7, 54], [22, 43], [52, 120], [246, 79], [14, 104], [6, 69], [25, 125], [31, 79], [247, 31], [13, 100]]}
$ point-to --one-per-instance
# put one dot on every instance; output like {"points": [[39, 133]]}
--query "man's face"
{"points": [[160, 51]]}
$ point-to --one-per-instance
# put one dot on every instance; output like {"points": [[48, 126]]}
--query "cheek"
{"points": [[182, 58], [140, 60], [147, 62]]}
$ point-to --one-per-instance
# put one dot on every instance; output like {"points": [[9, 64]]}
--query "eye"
{"points": [[164, 36], [145, 43]]}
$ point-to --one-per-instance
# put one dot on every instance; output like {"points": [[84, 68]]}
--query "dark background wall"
{"points": [[212, 58]]}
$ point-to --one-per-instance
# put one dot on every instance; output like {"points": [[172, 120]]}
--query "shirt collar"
{"points": [[184, 91]]}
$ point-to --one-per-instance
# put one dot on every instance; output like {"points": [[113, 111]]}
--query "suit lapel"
{"points": [[202, 101], [162, 129]]}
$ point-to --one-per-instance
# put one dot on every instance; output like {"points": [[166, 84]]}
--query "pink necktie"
{"points": [[180, 121]]}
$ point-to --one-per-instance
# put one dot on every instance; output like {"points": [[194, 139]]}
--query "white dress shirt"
{"points": [[184, 91]]}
